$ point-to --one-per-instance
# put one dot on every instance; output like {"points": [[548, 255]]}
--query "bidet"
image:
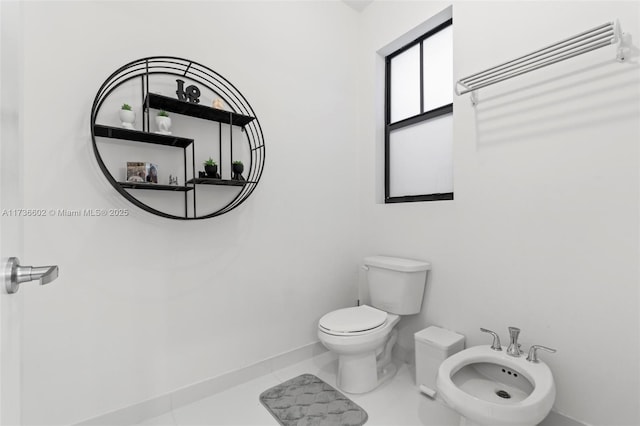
{"points": [[491, 387]]}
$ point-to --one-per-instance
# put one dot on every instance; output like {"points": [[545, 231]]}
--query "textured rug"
{"points": [[306, 400]]}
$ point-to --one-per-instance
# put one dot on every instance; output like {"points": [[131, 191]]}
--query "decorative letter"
{"points": [[191, 94]]}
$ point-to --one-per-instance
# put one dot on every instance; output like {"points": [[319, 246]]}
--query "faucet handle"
{"points": [[496, 339], [533, 354], [514, 346]]}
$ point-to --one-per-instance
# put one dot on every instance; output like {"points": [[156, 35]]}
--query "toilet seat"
{"points": [[353, 321]]}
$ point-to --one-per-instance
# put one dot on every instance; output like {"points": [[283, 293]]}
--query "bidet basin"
{"points": [[492, 382], [489, 387]]}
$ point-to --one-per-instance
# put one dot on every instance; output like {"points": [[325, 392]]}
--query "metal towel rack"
{"points": [[595, 38]]}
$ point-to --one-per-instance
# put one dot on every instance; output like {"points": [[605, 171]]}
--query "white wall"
{"points": [[146, 305], [543, 231]]}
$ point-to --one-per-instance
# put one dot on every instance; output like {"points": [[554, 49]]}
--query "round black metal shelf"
{"points": [[240, 115]]}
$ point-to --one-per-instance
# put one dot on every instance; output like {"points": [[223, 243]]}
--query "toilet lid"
{"points": [[352, 320]]}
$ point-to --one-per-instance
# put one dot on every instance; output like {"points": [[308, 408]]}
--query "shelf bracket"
{"points": [[474, 98], [624, 41]]}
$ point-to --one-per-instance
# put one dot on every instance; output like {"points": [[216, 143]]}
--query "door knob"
{"points": [[17, 274]]}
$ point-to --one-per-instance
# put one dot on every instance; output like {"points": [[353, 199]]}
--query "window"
{"points": [[419, 117]]}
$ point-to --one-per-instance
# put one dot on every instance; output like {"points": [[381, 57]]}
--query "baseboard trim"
{"points": [[157, 406]]}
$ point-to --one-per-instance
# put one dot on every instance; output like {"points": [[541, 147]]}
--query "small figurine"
{"points": [[127, 116], [173, 180], [217, 104], [238, 168], [190, 94], [163, 121]]}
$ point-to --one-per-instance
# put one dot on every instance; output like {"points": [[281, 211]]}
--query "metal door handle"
{"points": [[17, 274]]}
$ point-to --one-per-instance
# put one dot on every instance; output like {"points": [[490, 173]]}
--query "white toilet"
{"points": [[363, 336]]}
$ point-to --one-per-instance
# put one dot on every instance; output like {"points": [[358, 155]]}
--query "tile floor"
{"points": [[397, 402]]}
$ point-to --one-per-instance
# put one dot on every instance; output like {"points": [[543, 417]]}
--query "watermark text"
{"points": [[64, 212]]}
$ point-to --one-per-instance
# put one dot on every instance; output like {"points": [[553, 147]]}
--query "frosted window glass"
{"points": [[405, 84], [437, 54], [421, 158]]}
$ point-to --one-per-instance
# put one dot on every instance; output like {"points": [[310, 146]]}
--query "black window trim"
{"points": [[422, 116]]}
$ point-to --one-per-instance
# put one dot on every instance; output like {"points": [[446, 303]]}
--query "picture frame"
{"points": [[136, 172], [142, 172]]}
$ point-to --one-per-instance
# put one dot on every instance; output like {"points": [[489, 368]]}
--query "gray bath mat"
{"points": [[308, 401]]}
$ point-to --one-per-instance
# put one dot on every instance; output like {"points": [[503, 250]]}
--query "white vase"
{"points": [[164, 124], [127, 118]]}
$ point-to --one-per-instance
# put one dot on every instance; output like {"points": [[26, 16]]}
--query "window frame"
{"points": [[409, 121]]}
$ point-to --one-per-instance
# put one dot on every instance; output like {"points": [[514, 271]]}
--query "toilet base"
{"points": [[386, 373], [357, 373], [361, 373]]}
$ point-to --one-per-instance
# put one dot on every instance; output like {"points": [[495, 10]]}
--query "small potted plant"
{"points": [[237, 167], [127, 116], [211, 168], [164, 123]]}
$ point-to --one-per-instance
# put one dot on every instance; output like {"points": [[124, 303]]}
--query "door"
{"points": [[11, 231]]}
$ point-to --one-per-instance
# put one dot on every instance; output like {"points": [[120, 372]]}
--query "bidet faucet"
{"points": [[533, 352], [514, 346], [496, 339]]}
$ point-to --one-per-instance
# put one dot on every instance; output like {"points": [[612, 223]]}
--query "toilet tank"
{"points": [[396, 285]]}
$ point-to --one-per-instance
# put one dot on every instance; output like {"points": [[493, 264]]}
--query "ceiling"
{"points": [[358, 5]]}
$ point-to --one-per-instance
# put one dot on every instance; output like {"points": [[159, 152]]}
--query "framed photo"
{"points": [[152, 172], [136, 172], [142, 172]]}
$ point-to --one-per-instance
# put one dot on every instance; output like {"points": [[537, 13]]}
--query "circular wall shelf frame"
{"points": [[239, 114]]}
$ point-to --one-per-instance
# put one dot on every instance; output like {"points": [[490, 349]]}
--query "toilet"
{"points": [[363, 336]]}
